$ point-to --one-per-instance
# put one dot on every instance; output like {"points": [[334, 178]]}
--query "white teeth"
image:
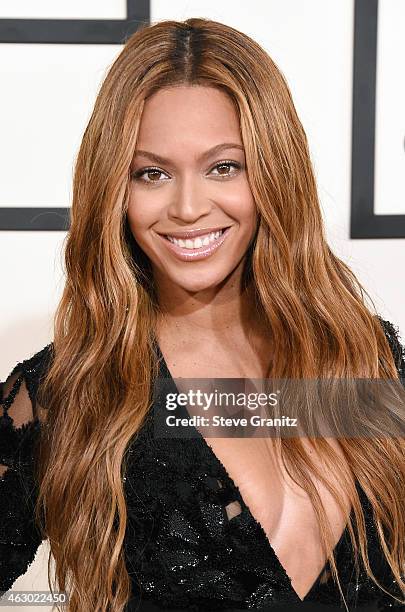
{"points": [[198, 242]]}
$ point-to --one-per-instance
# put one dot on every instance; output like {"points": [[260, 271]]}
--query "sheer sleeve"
{"points": [[385, 602], [397, 347], [20, 422]]}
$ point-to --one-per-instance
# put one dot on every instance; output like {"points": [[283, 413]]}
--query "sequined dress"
{"points": [[182, 551]]}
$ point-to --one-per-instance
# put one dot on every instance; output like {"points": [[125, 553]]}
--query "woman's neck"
{"points": [[222, 312], [226, 338]]}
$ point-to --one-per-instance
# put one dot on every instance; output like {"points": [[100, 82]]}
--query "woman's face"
{"points": [[191, 209]]}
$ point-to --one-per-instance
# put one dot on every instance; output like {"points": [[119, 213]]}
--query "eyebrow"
{"points": [[207, 154]]}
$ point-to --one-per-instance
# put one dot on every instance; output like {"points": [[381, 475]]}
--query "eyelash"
{"points": [[138, 173]]}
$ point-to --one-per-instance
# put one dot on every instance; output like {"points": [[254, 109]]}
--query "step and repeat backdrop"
{"points": [[343, 60]]}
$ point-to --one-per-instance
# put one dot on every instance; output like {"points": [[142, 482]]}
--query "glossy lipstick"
{"points": [[195, 254]]}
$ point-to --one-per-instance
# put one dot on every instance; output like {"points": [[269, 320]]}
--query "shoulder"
{"points": [[394, 339], [27, 373]]}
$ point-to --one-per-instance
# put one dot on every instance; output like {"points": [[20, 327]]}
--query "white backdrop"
{"points": [[47, 93]]}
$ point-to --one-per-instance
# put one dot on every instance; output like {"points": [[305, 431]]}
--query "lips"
{"points": [[193, 233], [195, 254]]}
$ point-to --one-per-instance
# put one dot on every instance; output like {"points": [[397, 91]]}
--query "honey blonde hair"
{"points": [[98, 388]]}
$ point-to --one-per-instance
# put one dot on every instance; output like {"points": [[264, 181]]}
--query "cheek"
{"points": [[244, 211], [133, 220], [140, 216], [249, 210]]}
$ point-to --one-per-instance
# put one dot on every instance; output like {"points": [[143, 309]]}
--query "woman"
{"points": [[197, 250]]}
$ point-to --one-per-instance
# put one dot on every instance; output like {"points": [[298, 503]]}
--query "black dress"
{"points": [[181, 549]]}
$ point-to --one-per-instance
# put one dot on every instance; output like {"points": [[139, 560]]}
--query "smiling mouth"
{"points": [[198, 241], [198, 248]]}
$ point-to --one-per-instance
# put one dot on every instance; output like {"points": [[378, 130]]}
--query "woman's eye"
{"points": [[149, 172], [153, 174], [226, 164]]}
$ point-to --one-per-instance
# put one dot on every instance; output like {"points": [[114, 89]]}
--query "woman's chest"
{"points": [[192, 538], [282, 507], [221, 506]]}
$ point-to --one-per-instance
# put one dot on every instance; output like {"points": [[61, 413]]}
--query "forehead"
{"points": [[198, 113]]}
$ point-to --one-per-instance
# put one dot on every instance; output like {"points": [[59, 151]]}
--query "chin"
{"points": [[195, 285]]}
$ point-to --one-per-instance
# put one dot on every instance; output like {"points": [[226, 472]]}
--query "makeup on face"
{"points": [[193, 213], [189, 246]]}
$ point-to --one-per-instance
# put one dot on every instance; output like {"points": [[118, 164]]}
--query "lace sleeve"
{"points": [[397, 348], [385, 602], [20, 421]]}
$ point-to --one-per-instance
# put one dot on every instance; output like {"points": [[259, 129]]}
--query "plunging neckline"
{"points": [[164, 372]]}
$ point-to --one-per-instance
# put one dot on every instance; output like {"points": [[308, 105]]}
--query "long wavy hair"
{"points": [[97, 391]]}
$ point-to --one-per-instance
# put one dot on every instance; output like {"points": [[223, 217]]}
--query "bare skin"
{"points": [[281, 507], [208, 327]]}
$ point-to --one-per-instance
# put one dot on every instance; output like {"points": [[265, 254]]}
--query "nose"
{"points": [[190, 202]]}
